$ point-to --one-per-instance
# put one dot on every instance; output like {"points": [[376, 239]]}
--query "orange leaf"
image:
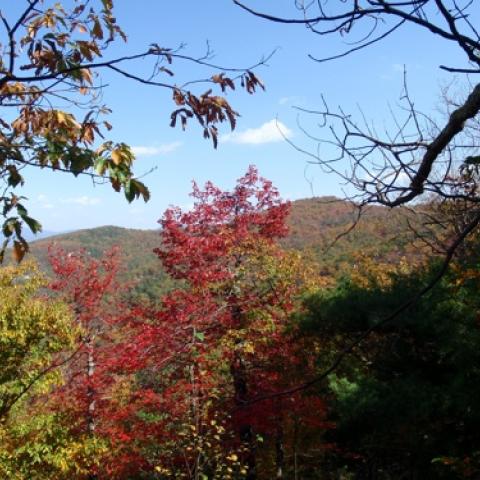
{"points": [[18, 251]]}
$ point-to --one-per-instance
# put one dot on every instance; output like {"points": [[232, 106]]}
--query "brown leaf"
{"points": [[97, 30], [87, 75], [214, 134], [178, 97], [18, 251]]}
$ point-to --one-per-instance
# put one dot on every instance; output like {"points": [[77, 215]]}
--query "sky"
{"points": [[370, 79]]}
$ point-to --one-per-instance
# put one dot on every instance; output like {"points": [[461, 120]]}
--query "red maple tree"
{"points": [[227, 321], [156, 383]]}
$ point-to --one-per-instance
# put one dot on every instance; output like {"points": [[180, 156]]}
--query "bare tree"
{"points": [[421, 155], [424, 157]]}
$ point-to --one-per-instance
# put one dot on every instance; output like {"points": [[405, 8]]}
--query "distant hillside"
{"points": [[141, 266], [324, 226], [314, 225]]}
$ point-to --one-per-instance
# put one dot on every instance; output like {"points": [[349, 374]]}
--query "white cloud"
{"points": [[403, 179], [83, 200], [291, 100], [269, 132], [150, 151], [43, 201], [285, 100]]}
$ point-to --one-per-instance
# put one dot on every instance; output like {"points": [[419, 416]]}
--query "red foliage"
{"points": [[197, 245], [223, 331], [89, 286], [207, 248], [98, 397]]}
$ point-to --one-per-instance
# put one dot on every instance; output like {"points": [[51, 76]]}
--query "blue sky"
{"points": [[372, 79]]}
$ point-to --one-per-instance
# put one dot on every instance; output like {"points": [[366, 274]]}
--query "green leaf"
{"points": [[33, 224], [129, 191], [134, 189], [141, 190], [22, 211], [9, 226], [100, 165], [79, 162]]}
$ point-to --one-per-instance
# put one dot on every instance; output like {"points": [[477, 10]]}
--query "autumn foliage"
{"points": [[221, 377]]}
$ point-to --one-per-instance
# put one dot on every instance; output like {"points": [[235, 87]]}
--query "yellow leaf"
{"points": [[61, 118], [117, 156]]}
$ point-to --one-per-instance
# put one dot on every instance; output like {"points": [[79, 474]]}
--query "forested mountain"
{"points": [[318, 225], [140, 265], [323, 225]]}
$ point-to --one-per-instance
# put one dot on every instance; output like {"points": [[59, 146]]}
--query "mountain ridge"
{"points": [[320, 225]]}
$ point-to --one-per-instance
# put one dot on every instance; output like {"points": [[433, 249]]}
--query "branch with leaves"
{"points": [[50, 91]]}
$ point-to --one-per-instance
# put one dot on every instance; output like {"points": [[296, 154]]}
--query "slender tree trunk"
{"points": [[239, 375], [90, 391], [279, 452], [195, 416], [246, 433], [295, 454], [90, 415]]}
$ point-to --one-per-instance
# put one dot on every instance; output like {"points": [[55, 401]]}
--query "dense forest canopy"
{"points": [[248, 337]]}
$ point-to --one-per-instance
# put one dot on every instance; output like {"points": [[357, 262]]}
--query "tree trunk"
{"points": [[295, 454], [195, 416], [90, 415], [246, 433], [279, 452]]}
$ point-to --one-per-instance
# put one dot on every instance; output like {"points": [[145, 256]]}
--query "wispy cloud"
{"points": [[43, 201], [291, 100], [83, 200], [269, 132], [150, 151]]}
